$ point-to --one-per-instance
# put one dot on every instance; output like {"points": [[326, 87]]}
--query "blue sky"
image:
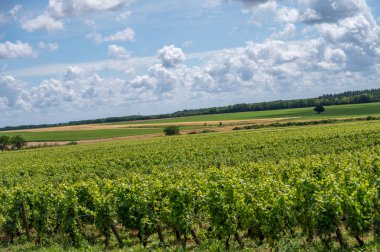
{"points": [[63, 60]]}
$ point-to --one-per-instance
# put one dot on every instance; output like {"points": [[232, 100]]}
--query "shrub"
{"points": [[72, 143], [4, 143], [17, 142], [171, 130], [319, 109], [207, 131]]}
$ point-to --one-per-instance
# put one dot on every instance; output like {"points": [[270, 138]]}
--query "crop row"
{"points": [[313, 198]]}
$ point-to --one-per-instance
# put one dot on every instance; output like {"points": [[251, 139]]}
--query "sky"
{"points": [[64, 60]]}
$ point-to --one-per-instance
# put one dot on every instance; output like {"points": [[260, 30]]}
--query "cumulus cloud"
{"points": [[12, 94], [117, 52], [288, 30], [49, 46], [171, 56], [343, 54], [287, 14], [262, 12], [51, 93], [74, 73], [57, 10], [252, 3], [9, 50], [65, 8], [246, 3], [98, 91], [126, 35], [331, 11], [42, 22], [358, 37]]}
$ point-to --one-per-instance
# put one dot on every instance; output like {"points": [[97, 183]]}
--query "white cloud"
{"points": [[9, 50], [97, 91], [42, 22], [65, 8], [123, 16], [15, 10], [287, 14], [246, 3], [358, 37], [12, 94], [187, 43], [117, 52], [331, 11], [334, 59], [343, 54], [288, 30], [252, 3], [49, 46], [262, 12], [51, 93], [171, 56], [74, 73], [126, 35]]}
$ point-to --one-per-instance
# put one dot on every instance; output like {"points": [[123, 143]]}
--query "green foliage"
{"points": [[78, 135], [336, 111], [171, 130], [72, 143], [319, 109], [306, 123], [4, 143], [17, 142], [268, 185]]}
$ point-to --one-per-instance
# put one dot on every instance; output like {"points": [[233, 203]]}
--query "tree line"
{"points": [[12, 143], [348, 97]]}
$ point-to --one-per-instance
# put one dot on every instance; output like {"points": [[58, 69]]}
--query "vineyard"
{"points": [[285, 189]]}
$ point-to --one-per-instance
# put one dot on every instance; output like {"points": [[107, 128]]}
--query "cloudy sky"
{"points": [[64, 60]]}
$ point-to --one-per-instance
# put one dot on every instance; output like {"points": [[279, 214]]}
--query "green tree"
{"points": [[17, 142], [4, 143], [319, 109], [171, 130]]}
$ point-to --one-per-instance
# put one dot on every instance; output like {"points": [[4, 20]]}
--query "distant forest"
{"points": [[349, 97]]}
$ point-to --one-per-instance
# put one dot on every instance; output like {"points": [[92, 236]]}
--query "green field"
{"points": [[338, 111], [80, 134], [342, 111], [283, 189]]}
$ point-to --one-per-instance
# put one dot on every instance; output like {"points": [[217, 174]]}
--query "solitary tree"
{"points": [[4, 143], [171, 130], [319, 109], [17, 142]]}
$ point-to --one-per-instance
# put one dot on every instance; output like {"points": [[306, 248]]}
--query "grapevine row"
{"points": [[316, 197]]}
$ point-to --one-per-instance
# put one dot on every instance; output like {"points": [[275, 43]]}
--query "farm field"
{"points": [[309, 188], [199, 126], [337, 111], [78, 135], [138, 128]]}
